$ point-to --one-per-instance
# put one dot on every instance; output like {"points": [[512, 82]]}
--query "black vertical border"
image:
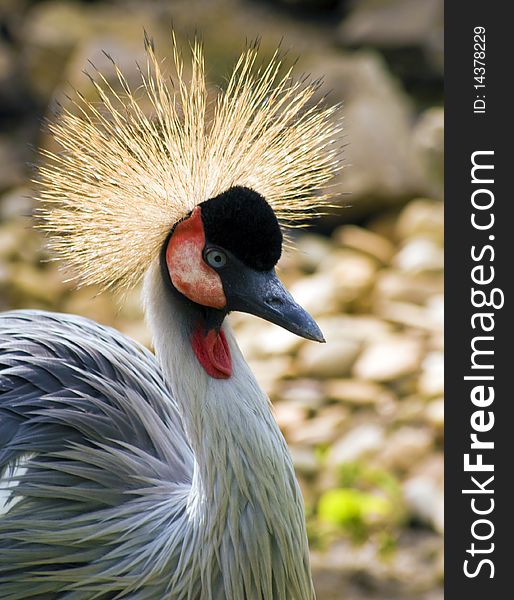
{"points": [[465, 133]]}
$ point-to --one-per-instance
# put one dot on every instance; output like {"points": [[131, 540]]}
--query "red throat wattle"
{"points": [[211, 349]]}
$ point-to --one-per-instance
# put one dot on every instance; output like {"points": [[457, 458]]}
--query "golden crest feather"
{"points": [[122, 178]]}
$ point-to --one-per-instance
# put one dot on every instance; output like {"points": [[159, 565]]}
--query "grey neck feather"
{"points": [[245, 510]]}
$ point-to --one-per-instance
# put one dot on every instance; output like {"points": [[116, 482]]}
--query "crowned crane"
{"points": [[133, 476]]}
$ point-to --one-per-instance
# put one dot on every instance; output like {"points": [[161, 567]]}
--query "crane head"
{"points": [[220, 180], [222, 258]]}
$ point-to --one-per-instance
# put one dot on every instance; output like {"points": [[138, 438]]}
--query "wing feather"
{"points": [[93, 456]]}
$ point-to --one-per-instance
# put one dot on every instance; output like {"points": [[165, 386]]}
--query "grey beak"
{"points": [[261, 293]]}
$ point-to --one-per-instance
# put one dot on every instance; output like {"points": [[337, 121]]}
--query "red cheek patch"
{"points": [[187, 269], [213, 353]]}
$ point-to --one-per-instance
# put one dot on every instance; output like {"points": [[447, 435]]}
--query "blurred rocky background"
{"points": [[363, 414]]}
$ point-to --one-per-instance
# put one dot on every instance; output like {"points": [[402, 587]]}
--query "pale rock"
{"points": [[404, 447], [312, 250], [360, 328], [386, 166], [259, 339], [421, 218], [405, 314], [269, 371], [316, 293], [247, 329], [291, 262], [435, 414], [335, 570], [436, 341], [16, 203], [289, 415], [432, 467], [306, 393], [363, 440], [357, 392], [334, 359], [425, 500], [304, 460], [419, 255], [272, 340], [353, 275], [417, 288], [363, 240], [322, 429], [431, 380], [387, 407], [415, 565], [435, 307], [336, 412], [410, 410], [239, 320], [389, 359]]}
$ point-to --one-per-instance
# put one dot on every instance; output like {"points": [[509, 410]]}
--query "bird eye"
{"points": [[216, 258]]}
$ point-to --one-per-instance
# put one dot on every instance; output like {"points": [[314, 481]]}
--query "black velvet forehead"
{"points": [[241, 221]]}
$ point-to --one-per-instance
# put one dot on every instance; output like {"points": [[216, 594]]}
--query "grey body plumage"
{"points": [[89, 415], [117, 485]]}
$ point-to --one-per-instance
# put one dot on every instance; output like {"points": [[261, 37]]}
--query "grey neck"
{"points": [[244, 496]]}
